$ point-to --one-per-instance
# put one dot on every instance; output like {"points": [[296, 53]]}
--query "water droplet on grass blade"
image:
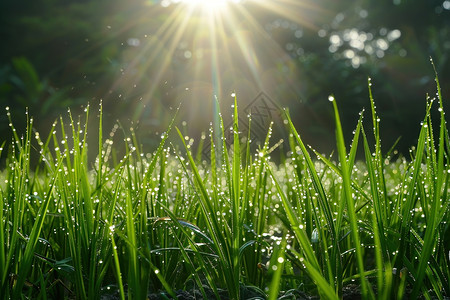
{"points": [[315, 236]]}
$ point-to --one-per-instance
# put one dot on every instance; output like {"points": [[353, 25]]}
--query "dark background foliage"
{"points": [[57, 54]]}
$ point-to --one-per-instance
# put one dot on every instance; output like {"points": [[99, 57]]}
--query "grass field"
{"points": [[167, 221]]}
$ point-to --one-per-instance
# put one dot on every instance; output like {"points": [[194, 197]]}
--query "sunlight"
{"points": [[209, 5], [205, 49]]}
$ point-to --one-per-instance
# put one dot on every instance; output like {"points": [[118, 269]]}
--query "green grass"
{"points": [[163, 221]]}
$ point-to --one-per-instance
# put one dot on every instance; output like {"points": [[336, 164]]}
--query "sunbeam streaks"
{"points": [[206, 50]]}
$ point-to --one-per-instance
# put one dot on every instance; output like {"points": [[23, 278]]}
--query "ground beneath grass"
{"points": [[350, 292]]}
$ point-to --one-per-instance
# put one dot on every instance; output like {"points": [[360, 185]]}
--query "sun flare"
{"points": [[213, 47], [212, 5]]}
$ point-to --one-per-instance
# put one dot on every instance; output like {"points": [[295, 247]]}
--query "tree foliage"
{"points": [[63, 53]]}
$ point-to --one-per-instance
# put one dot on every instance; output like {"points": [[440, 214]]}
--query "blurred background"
{"points": [[144, 58]]}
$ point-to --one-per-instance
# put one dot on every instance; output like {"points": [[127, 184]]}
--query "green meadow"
{"points": [[154, 222]]}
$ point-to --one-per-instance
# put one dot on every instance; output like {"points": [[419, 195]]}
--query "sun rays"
{"points": [[209, 48], [210, 5]]}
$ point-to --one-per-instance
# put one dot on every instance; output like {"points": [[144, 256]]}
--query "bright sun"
{"points": [[214, 46], [209, 4]]}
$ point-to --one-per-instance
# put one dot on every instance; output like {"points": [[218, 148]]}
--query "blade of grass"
{"points": [[377, 217], [27, 259], [347, 191], [430, 233], [220, 241], [237, 211], [334, 258], [277, 269], [407, 206], [310, 259]]}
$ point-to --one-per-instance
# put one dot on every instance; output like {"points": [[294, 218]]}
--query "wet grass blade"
{"points": [[277, 269], [437, 202], [309, 259], [28, 255], [347, 194], [334, 258], [218, 234]]}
